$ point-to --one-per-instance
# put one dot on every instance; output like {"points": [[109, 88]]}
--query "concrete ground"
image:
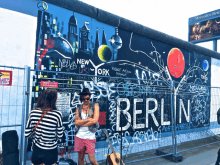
{"points": [[206, 155], [201, 156]]}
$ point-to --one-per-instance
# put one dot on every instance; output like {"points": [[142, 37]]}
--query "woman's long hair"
{"points": [[47, 100]]}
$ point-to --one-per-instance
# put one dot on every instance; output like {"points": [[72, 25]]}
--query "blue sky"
{"points": [[168, 16]]}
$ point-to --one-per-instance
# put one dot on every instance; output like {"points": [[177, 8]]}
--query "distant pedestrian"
{"points": [[45, 126], [218, 158], [218, 120]]}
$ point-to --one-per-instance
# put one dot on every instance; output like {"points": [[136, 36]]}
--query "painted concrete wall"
{"points": [[115, 52], [61, 40]]}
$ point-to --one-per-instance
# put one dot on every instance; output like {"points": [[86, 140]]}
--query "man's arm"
{"points": [[95, 118], [78, 120]]}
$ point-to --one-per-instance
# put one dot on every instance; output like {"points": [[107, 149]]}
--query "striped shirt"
{"points": [[48, 131]]}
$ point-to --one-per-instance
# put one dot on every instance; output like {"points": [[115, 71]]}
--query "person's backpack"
{"points": [[92, 128], [10, 150]]}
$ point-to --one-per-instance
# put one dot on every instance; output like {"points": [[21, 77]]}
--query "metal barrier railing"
{"points": [[130, 91], [154, 114], [106, 90], [11, 103]]}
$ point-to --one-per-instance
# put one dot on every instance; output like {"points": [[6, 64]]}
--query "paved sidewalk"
{"points": [[206, 155], [201, 156]]}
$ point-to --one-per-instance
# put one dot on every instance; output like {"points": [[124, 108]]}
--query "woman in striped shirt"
{"points": [[48, 131]]}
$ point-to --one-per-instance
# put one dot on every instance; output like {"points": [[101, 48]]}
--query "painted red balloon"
{"points": [[176, 62]]}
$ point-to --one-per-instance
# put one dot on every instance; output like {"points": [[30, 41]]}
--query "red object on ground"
{"points": [[176, 62]]}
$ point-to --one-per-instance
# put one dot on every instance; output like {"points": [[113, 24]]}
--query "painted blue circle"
{"points": [[205, 65]]}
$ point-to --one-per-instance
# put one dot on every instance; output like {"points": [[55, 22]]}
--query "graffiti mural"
{"points": [[129, 75]]}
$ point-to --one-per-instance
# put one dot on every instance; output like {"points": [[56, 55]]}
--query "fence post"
{"points": [[25, 111], [121, 127], [172, 113]]}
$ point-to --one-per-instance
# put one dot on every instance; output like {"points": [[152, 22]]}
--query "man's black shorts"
{"points": [[48, 157]]}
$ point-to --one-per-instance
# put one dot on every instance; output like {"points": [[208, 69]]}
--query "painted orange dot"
{"points": [[176, 62]]}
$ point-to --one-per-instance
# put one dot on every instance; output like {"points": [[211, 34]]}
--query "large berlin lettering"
{"points": [[104, 89], [148, 112]]}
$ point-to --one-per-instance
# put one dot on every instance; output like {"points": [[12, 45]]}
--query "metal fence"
{"points": [[141, 116], [129, 132], [201, 106], [12, 103]]}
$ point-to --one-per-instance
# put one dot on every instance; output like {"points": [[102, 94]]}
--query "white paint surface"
{"points": [[18, 37]]}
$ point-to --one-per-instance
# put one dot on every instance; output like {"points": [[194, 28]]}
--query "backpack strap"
{"points": [[41, 119]]}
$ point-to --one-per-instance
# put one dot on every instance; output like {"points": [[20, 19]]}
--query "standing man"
{"points": [[86, 121]]}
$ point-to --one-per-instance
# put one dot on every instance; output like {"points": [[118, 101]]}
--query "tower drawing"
{"points": [[95, 50], [45, 33], [72, 33], [54, 26], [84, 39], [104, 41], [116, 43]]}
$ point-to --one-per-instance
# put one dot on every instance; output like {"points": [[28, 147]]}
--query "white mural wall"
{"points": [[17, 40], [18, 36]]}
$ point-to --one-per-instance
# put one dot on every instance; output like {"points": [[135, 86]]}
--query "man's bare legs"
{"points": [[81, 155], [92, 159]]}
